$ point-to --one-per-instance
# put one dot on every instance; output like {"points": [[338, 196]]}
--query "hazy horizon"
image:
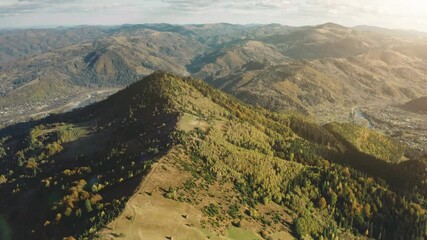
{"points": [[393, 14], [195, 23]]}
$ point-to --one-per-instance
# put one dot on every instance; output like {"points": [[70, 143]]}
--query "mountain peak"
{"points": [[331, 25]]}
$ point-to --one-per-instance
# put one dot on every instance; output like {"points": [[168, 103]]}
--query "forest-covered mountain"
{"points": [[212, 165], [309, 69], [15, 44]]}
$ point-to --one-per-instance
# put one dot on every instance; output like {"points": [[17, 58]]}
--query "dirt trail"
{"points": [[149, 215]]}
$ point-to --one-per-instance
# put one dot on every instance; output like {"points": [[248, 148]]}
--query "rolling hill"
{"points": [[172, 157]]}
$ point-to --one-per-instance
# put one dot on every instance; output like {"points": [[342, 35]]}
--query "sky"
{"points": [[401, 14]]}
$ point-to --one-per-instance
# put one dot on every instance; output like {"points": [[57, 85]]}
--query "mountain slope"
{"points": [[83, 163], [418, 105], [22, 43], [313, 86], [223, 163], [115, 61], [327, 40]]}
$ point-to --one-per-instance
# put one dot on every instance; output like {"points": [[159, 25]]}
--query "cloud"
{"points": [[187, 5], [21, 7], [313, 8], [194, 5], [391, 13], [309, 8]]}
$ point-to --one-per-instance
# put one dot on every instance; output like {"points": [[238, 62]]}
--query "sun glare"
{"points": [[417, 7]]}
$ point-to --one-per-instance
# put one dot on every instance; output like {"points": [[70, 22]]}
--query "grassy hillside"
{"points": [[226, 163]]}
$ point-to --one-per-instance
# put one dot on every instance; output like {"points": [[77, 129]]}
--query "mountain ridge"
{"points": [[265, 162]]}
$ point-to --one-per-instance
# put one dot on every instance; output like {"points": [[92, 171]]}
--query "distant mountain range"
{"points": [[309, 69]]}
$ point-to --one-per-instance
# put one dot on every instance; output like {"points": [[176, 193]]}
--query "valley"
{"points": [[408, 128], [58, 105]]}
